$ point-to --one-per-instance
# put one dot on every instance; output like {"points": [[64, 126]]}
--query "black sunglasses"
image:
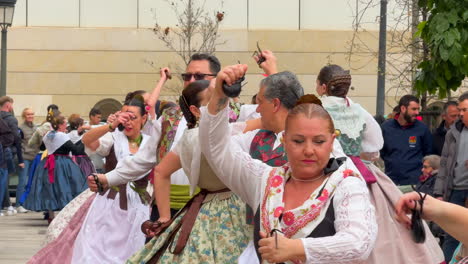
{"points": [[197, 76]]}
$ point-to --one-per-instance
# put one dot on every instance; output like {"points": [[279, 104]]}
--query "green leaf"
{"points": [[444, 53], [420, 29], [456, 54], [465, 16], [448, 73], [452, 17], [441, 82], [449, 37]]}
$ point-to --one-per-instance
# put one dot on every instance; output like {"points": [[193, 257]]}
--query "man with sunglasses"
{"points": [[201, 67], [452, 181]]}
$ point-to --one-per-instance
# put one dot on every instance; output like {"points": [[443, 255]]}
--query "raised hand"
{"points": [[269, 66], [165, 73]]}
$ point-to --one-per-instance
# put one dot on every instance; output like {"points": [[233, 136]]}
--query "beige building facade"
{"points": [[77, 53]]}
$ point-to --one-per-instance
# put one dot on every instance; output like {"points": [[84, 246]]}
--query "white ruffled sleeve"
{"points": [[105, 144], [355, 224], [372, 140], [234, 167]]}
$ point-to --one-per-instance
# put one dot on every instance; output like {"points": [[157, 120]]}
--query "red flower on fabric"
{"points": [[324, 195], [347, 173], [288, 218], [313, 206], [276, 181], [278, 190], [278, 211]]}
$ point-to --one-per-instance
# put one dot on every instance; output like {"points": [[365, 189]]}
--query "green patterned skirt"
{"points": [[219, 234]]}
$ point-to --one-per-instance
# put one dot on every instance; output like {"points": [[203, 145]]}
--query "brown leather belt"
{"points": [[185, 225], [123, 201]]}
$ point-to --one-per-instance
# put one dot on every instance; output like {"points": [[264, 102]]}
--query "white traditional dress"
{"points": [[361, 136], [262, 187], [95, 228]]}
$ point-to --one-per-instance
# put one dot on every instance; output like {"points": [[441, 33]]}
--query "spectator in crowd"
{"points": [[449, 116], [95, 117], [29, 153], [406, 141], [9, 139], [393, 113], [452, 181], [98, 161], [426, 183], [431, 164]]}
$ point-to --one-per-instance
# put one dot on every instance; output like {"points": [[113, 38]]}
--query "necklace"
{"points": [[135, 143], [310, 180]]}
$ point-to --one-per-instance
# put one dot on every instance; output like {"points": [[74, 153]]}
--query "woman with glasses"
{"points": [[211, 228], [361, 139]]}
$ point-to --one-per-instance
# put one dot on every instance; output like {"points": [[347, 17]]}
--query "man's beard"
{"points": [[408, 118]]}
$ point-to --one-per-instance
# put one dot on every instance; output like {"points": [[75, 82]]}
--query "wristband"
{"points": [[111, 129]]}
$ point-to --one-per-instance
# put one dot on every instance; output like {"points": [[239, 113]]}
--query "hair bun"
{"points": [[309, 99]]}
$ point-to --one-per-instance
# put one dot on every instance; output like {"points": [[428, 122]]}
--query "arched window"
{"points": [[108, 106]]}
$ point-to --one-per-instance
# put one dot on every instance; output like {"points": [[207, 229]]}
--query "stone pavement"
{"points": [[21, 236]]}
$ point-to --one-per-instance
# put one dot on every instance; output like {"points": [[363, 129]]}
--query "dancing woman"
{"points": [[313, 209], [211, 228], [361, 138], [106, 227], [57, 179], [77, 129]]}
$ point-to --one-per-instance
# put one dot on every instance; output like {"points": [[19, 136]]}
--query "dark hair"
{"points": [[55, 118], [52, 114], [336, 79], [190, 96], [53, 107], [132, 95], [396, 109], [311, 111], [254, 99], [215, 65], [463, 97], [94, 111], [75, 121], [406, 100], [137, 101], [163, 105], [447, 104]]}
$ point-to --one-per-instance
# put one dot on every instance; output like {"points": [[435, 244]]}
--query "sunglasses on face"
{"points": [[426, 167], [197, 76]]}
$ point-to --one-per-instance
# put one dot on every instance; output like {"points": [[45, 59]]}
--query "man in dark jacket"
{"points": [[449, 115], [7, 165], [452, 181], [406, 141]]}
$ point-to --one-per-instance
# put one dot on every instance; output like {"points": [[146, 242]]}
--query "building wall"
{"points": [[76, 52]]}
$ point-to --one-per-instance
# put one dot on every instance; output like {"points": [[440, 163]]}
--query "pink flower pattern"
{"points": [[278, 211], [296, 219], [276, 181], [288, 218]]}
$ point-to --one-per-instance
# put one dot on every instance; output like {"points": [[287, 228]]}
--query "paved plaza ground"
{"points": [[21, 236]]}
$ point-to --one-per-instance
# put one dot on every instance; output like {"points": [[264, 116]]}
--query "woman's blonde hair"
{"points": [[23, 114]]}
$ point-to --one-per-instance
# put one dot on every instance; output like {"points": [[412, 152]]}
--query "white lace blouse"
{"points": [[355, 223]]}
